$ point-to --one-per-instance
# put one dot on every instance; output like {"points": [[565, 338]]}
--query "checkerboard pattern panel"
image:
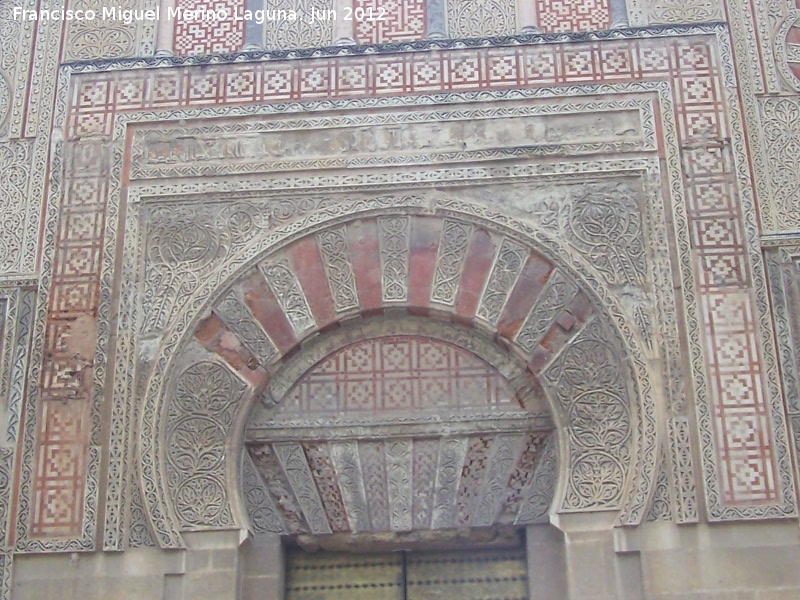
{"points": [[60, 470], [573, 15], [740, 420], [745, 451], [383, 21], [208, 27], [398, 374], [70, 334]]}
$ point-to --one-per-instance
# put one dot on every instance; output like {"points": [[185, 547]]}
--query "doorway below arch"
{"points": [[408, 575]]}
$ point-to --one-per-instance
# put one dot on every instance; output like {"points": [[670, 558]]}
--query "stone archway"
{"points": [[494, 277]]}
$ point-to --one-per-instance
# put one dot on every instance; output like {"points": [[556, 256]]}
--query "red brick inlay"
{"points": [[573, 15], [425, 235], [363, 238], [399, 373], [308, 266], [262, 303], [524, 295], [478, 265]]}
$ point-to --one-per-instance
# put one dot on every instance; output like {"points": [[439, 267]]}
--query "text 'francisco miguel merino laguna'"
{"points": [[130, 15]]}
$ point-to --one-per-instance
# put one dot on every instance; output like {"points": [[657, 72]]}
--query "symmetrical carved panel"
{"points": [[590, 383], [264, 515], [109, 35], [199, 418], [537, 496], [477, 18], [290, 296], [507, 268], [781, 122], [393, 233], [303, 31], [335, 257], [15, 164], [451, 260], [684, 11]]}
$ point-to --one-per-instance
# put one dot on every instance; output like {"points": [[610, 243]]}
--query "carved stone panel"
{"points": [[205, 399], [781, 122], [368, 140], [684, 11], [480, 18], [115, 33], [293, 25], [590, 383], [15, 204]]}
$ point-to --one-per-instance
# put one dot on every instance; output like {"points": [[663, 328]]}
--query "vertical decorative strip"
{"points": [[538, 495], [424, 472], [264, 515], [556, 296], [351, 483], [401, 489], [294, 465], [450, 262], [506, 450], [683, 470], [19, 364], [451, 460], [393, 237], [373, 465], [335, 255]]}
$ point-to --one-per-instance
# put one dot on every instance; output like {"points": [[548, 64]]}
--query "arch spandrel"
{"points": [[532, 302]]}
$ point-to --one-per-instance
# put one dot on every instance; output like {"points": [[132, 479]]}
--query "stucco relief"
{"points": [[787, 50], [15, 163], [476, 18], [780, 119], [299, 32], [5, 98], [684, 11], [421, 137], [107, 36], [783, 265]]}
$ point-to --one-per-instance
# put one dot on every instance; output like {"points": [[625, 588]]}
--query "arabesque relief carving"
{"points": [[278, 146]]}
